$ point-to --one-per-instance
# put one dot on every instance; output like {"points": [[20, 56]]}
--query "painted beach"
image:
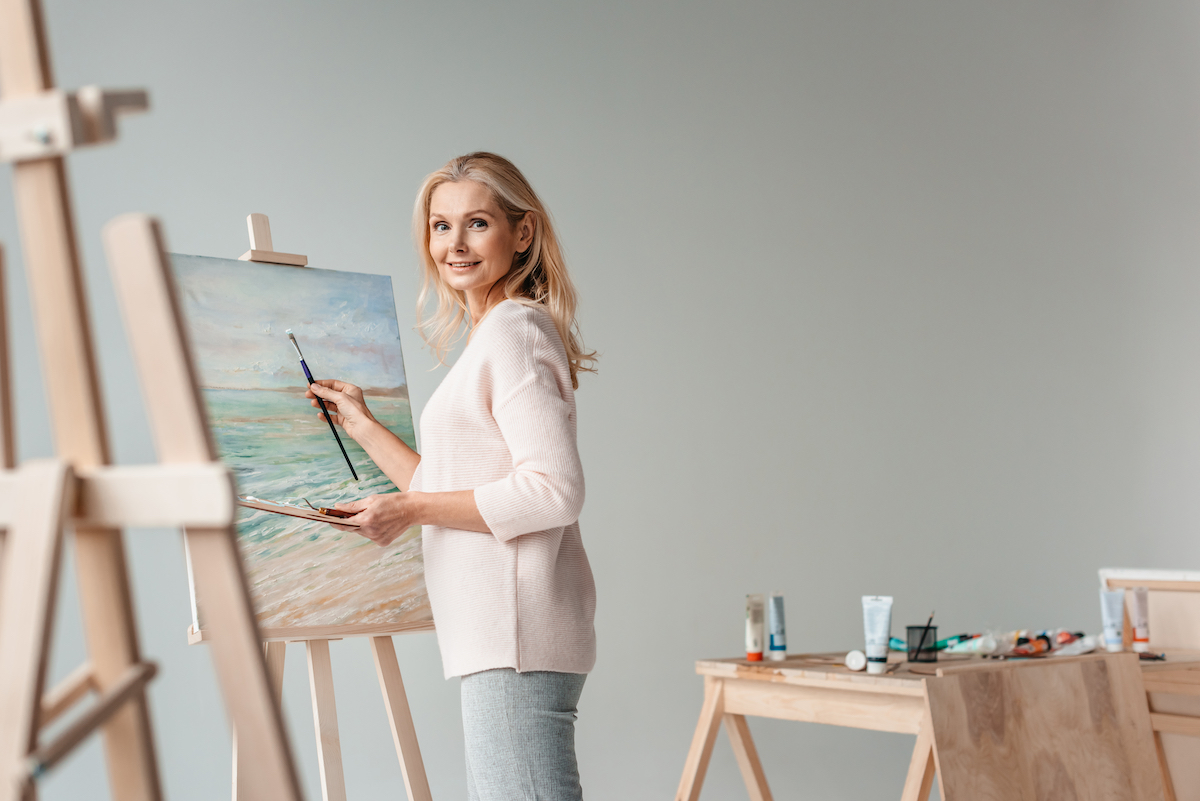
{"points": [[303, 574]]}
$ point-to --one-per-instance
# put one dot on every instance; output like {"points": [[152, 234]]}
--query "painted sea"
{"points": [[303, 574]]}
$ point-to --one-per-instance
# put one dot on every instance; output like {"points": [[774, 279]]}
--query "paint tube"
{"points": [[1140, 612], [754, 628], [1084, 645], [984, 644], [1112, 611], [877, 624], [856, 660], [777, 645]]}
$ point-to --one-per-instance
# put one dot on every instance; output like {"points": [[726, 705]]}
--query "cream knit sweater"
{"points": [[502, 423]]}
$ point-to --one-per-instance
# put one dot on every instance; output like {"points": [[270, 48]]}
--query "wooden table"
{"points": [[817, 688]]}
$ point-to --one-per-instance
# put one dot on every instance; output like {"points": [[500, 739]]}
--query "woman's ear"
{"points": [[525, 229]]}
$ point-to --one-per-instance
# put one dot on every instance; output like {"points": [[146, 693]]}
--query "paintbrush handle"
{"points": [[329, 419], [333, 428]]}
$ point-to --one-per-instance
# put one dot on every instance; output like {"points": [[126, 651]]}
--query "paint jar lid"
{"points": [[856, 660]]}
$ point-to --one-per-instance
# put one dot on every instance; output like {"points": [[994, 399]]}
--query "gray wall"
{"points": [[892, 298]]}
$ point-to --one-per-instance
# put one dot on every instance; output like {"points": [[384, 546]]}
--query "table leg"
{"points": [[747, 757], [921, 769], [1168, 785], [702, 741]]}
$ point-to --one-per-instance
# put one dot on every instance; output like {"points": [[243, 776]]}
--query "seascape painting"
{"points": [[303, 574]]}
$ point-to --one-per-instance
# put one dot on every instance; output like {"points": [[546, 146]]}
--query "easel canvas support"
{"points": [[320, 670], [38, 125]]}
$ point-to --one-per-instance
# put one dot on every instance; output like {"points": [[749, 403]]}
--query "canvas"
{"points": [[306, 578]]}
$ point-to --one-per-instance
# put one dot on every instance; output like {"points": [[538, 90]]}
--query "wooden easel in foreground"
{"points": [[320, 671], [189, 487]]}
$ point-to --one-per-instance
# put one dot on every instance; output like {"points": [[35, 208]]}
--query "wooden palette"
{"points": [[295, 511]]}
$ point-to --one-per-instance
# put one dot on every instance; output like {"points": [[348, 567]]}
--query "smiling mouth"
{"points": [[460, 265]]}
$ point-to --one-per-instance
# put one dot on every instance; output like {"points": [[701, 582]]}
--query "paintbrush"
{"points": [[321, 403], [924, 634]]}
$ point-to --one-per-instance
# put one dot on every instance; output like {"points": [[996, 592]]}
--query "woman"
{"points": [[498, 487]]}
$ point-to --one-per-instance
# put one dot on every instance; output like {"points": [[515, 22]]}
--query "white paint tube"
{"points": [[985, 645], [1112, 611], [1084, 645], [1139, 610], [777, 645], [877, 624], [754, 628]]}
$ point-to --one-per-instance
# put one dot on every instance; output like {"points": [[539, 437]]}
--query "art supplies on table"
{"points": [[1112, 613], [1139, 614], [897, 644], [754, 628], [877, 626], [777, 643], [921, 647]]}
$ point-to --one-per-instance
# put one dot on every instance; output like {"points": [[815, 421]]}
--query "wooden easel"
{"points": [[80, 490], [320, 671]]}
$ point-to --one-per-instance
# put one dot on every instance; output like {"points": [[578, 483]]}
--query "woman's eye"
{"points": [[441, 227], [478, 224]]}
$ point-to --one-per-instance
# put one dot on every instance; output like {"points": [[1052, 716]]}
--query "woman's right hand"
{"points": [[345, 403]]}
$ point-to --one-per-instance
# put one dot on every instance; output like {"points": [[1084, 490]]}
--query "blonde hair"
{"points": [[538, 276]]}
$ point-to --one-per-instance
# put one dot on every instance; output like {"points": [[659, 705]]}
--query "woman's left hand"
{"points": [[382, 518]]}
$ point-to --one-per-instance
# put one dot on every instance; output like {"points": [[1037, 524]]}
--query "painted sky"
{"points": [[238, 313]]}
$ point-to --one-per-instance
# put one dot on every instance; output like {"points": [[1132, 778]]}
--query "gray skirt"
{"points": [[520, 735]]}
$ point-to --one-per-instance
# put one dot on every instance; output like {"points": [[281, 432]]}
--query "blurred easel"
{"points": [[79, 489]]}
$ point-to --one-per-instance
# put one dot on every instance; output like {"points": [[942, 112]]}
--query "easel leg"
{"points": [[404, 735], [113, 648], [8, 448], [921, 769], [274, 653], [8, 445], [702, 741], [28, 592], [267, 768], [329, 748], [747, 757]]}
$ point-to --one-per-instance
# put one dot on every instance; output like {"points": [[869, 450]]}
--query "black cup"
{"points": [[918, 651]]}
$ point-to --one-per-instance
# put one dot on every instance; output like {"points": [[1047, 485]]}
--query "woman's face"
{"points": [[471, 241]]}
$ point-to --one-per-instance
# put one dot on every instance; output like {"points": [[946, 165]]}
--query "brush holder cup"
{"points": [[918, 652]]}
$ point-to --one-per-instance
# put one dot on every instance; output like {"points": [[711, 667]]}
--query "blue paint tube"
{"points": [[777, 647]]}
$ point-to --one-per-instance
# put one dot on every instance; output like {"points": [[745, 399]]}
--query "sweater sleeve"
{"points": [[545, 488]]}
